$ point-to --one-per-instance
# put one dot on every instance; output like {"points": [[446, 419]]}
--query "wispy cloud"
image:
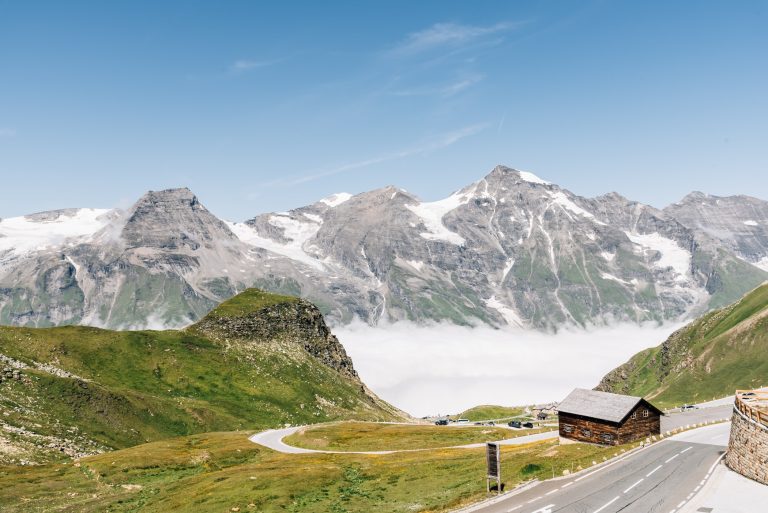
{"points": [[436, 143], [7, 132], [245, 65], [446, 90], [446, 34]]}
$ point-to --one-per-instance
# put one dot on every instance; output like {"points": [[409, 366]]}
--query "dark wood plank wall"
{"points": [[585, 429], [640, 426]]}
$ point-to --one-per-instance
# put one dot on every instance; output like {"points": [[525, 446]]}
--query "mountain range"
{"points": [[509, 249]]}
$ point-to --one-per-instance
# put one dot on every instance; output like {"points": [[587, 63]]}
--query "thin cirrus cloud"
{"points": [[436, 143], [445, 90], [446, 35], [245, 65]]}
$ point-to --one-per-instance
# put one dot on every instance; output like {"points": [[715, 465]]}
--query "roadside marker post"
{"points": [[493, 458]]}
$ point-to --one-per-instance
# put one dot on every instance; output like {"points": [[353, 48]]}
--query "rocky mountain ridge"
{"points": [[508, 250]]}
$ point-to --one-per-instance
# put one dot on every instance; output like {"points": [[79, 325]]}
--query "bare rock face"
{"points": [[295, 322], [738, 222]]}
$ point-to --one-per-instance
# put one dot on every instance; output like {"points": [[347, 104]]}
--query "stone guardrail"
{"points": [[748, 443]]}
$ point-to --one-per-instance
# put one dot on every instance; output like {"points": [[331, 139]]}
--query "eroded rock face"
{"points": [[299, 323]]}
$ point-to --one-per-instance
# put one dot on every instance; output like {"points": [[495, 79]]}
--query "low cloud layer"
{"points": [[447, 369]]}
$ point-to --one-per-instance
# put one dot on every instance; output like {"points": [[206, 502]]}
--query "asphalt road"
{"points": [[675, 420], [659, 478]]}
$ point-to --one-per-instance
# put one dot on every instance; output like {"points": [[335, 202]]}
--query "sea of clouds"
{"points": [[445, 369]]}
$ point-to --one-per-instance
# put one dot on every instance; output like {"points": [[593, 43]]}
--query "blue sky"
{"points": [[262, 106]]}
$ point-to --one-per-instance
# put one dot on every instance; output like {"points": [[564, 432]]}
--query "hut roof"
{"points": [[600, 405]]}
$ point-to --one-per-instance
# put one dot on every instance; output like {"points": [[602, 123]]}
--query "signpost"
{"points": [[493, 458]]}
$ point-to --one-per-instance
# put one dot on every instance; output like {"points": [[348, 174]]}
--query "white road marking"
{"points": [[696, 489], [534, 500], [654, 470], [513, 509], [672, 458], [682, 503], [545, 509], [608, 504], [553, 491], [609, 465], [566, 484], [686, 449], [628, 489]]}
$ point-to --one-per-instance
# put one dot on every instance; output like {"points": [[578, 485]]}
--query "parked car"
{"points": [[441, 422], [687, 407], [462, 421], [490, 423], [528, 425], [515, 424]]}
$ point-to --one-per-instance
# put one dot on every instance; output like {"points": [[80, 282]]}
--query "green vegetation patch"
{"points": [[491, 412], [249, 301], [370, 436], [216, 472]]}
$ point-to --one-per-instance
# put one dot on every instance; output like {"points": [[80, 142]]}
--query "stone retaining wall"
{"points": [[748, 448]]}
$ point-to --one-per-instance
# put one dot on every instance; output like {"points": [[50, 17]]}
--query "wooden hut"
{"points": [[607, 419]]}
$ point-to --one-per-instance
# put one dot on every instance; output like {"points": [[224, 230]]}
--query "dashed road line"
{"points": [[601, 508], [513, 509], [637, 483], [686, 449], [553, 491], [534, 500], [566, 484], [672, 458], [654, 470]]}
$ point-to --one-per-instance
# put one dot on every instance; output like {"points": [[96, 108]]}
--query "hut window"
{"points": [[634, 414], [645, 413], [586, 432], [567, 428], [607, 437]]}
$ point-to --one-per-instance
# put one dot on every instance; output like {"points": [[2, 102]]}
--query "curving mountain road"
{"points": [[273, 439]]}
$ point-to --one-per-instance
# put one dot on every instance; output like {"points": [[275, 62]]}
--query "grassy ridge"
{"points": [[216, 472], [101, 389], [490, 412], [720, 352]]}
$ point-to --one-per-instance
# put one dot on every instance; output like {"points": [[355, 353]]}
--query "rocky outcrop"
{"points": [[297, 322]]}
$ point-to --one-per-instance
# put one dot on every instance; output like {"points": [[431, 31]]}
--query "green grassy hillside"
{"points": [[85, 390], [490, 412], [224, 472], [722, 351]]}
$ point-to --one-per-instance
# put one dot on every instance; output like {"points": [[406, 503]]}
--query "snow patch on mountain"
{"points": [[762, 263], [509, 315], [531, 178], [20, 235], [432, 213], [293, 250], [751, 223], [334, 200], [671, 254], [561, 199]]}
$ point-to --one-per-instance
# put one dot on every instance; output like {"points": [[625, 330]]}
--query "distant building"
{"points": [[607, 419]]}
